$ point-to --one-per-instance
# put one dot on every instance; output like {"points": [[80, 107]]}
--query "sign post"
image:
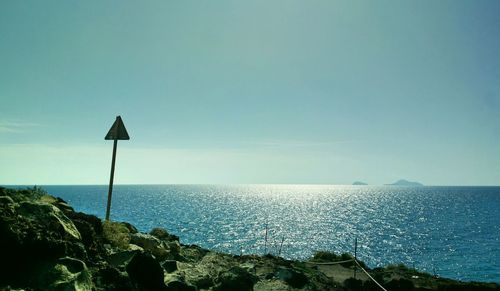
{"points": [[115, 133]]}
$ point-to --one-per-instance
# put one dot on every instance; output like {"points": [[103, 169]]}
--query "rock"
{"points": [[145, 272], [133, 247], [275, 285], [292, 277], [353, 284], [5, 200], [49, 215], [111, 279], [57, 202], [401, 284], [162, 234], [32, 232], [90, 228], [160, 249], [192, 253], [130, 227], [67, 274], [249, 267], [145, 241], [180, 286], [169, 266], [121, 258], [235, 278], [197, 276]]}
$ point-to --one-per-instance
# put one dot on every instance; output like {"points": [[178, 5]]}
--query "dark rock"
{"points": [[352, 284], [162, 234], [90, 228], [32, 232], [121, 258], [6, 200], [145, 272], [180, 286], [111, 279], [151, 244], [130, 227], [66, 274], [235, 278], [169, 266], [292, 277], [203, 282], [400, 285], [192, 253], [62, 205]]}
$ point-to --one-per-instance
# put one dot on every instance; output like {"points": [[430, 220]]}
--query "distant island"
{"points": [[359, 183], [404, 182]]}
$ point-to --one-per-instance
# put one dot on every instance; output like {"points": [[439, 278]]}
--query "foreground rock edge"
{"points": [[46, 245]]}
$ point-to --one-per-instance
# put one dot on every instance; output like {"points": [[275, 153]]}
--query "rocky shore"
{"points": [[46, 245]]}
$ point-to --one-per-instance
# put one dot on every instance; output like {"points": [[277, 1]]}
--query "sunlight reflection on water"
{"points": [[454, 230]]}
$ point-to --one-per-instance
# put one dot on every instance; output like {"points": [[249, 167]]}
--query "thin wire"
{"points": [[330, 263], [370, 276]]}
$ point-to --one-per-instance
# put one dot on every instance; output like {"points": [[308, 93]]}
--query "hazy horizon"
{"points": [[238, 184], [323, 92]]}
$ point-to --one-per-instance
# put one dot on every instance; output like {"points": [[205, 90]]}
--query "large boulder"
{"points": [[121, 258], [49, 218], [32, 232], [192, 253], [169, 266], [160, 249], [91, 230], [145, 272], [235, 278], [292, 277], [178, 285], [66, 274], [163, 235], [111, 279]]}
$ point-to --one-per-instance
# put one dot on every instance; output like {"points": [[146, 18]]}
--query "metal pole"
{"points": [[108, 208], [265, 242], [355, 256]]}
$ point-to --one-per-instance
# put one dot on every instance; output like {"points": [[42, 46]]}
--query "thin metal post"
{"points": [[281, 245], [265, 242], [355, 256], [108, 208]]}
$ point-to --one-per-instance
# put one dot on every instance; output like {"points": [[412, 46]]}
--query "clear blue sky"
{"points": [[251, 91]]}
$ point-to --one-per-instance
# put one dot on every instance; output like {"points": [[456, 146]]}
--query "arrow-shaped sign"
{"points": [[115, 133]]}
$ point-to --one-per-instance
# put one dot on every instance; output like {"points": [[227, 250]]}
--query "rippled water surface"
{"points": [[452, 231]]}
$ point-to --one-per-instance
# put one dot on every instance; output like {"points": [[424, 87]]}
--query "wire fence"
{"points": [[347, 261]]}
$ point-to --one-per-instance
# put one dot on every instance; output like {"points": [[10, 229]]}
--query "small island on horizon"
{"points": [[403, 182], [359, 183]]}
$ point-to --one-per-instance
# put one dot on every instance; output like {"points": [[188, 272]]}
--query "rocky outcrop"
{"points": [[34, 233], [145, 272], [46, 245]]}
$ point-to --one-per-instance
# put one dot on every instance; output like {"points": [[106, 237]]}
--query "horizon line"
{"points": [[241, 184]]}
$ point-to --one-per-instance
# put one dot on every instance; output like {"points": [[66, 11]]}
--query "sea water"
{"points": [[448, 231]]}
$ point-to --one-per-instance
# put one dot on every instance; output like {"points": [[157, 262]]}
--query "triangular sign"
{"points": [[117, 130]]}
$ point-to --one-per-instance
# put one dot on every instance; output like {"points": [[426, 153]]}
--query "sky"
{"points": [[243, 92]]}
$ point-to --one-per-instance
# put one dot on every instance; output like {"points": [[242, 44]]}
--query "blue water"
{"points": [[451, 231]]}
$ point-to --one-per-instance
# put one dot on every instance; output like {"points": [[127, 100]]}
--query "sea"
{"points": [[452, 232]]}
